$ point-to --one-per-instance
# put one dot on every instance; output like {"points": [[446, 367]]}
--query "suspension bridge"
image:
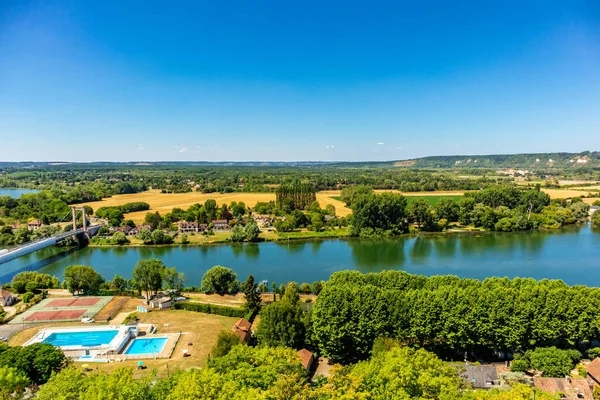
{"points": [[43, 242]]}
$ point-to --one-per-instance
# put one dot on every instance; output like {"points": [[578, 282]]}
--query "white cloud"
{"points": [[140, 147], [380, 143], [183, 150], [329, 147], [399, 148]]}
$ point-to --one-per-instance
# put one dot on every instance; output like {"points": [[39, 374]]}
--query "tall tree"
{"points": [[251, 295], [219, 279], [251, 231], [173, 281], [282, 323], [81, 279], [148, 275]]}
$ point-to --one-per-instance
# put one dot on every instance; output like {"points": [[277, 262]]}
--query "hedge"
{"points": [[211, 309]]}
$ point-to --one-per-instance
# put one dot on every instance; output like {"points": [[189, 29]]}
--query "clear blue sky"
{"points": [[306, 80]]}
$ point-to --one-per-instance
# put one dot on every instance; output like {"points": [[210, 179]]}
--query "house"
{"points": [[593, 371], [242, 329], [262, 220], [306, 358], [593, 209], [7, 298], [135, 231], [161, 303], [568, 388], [34, 225], [125, 229], [188, 227], [220, 225], [480, 376]]}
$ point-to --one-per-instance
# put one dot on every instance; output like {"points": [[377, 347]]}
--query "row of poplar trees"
{"points": [[451, 316], [301, 194]]}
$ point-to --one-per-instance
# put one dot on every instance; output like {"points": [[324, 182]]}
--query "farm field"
{"points": [[165, 202]]}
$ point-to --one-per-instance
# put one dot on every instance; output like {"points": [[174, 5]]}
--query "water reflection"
{"points": [[377, 254], [569, 254], [421, 249], [445, 246], [252, 251], [316, 245]]}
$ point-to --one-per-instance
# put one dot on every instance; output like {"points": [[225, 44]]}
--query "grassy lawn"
{"points": [[342, 232], [198, 328]]}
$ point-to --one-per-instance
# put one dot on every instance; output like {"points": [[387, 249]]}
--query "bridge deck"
{"points": [[42, 243]]}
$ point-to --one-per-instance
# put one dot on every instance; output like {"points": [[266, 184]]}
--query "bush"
{"points": [[225, 342], [28, 296], [593, 353], [211, 309], [305, 288], [130, 318]]}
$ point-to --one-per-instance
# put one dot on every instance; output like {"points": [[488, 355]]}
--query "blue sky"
{"points": [[310, 80]]}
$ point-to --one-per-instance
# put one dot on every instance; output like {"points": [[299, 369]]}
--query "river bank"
{"points": [[570, 254]]}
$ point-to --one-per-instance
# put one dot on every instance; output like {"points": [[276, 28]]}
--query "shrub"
{"points": [[593, 353], [305, 288], [225, 342], [28, 296], [210, 309], [130, 318]]}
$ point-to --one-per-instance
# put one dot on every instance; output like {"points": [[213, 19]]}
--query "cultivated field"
{"points": [[164, 203]]}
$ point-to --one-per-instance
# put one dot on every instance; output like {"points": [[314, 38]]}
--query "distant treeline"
{"points": [[500, 208], [538, 161]]}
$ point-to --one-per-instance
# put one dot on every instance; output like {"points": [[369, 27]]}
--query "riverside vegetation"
{"points": [[400, 326]]}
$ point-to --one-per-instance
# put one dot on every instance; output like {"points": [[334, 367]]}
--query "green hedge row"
{"points": [[211, 309]]}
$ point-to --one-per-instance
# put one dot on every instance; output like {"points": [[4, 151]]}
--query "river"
{"points": [[15, 193], [571, 254]]}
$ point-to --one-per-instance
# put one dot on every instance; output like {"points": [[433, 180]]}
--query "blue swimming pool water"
{"points": [[146, 345], [85, 338]]}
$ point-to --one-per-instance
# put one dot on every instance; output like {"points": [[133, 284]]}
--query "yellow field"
{"points": [[164, 203]]}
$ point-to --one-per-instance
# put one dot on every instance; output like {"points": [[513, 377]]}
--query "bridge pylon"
{"points": [[74, 210]]}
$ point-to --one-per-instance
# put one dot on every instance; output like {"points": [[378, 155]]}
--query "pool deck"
{"points": [[116, 345], [167, 351]]}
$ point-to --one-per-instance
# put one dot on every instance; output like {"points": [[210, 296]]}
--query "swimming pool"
{"points": [[89, 338], [147, 345]]}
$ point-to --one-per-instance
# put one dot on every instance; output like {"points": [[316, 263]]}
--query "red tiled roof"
{"points": [[306, 358], [593, 368], [242, 329], [243, 324], [568, 386]]}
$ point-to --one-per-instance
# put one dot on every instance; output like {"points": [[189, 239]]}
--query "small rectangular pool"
{"points": [[90, 338], [147, 345]]}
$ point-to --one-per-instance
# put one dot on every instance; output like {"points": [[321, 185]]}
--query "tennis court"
{"points": [[55, 315], [65, 309], [80, 302]]}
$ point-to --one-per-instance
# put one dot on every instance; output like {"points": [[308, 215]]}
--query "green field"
{"points": [[432, 200]]}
